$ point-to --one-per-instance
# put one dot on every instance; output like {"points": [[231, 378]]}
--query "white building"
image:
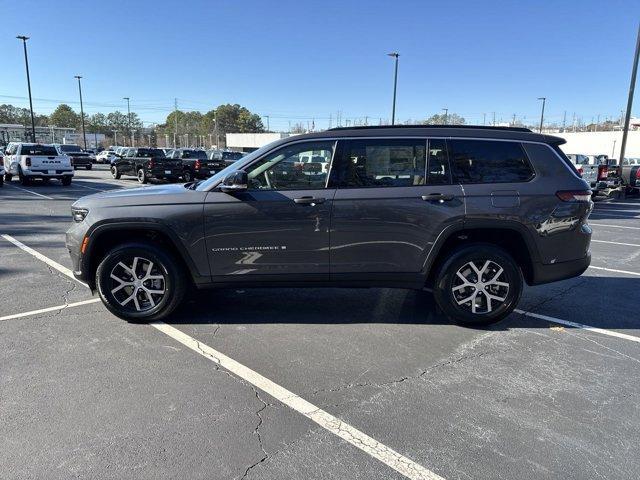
{"points": [[247, 142], [598, 143], [10, 132]]}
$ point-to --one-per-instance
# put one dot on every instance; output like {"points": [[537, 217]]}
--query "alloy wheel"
{"points": [[480, 290], [137, 284]]}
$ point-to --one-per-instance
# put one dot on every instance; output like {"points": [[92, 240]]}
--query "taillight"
{"points": [[638, 173], [151, 164], [603, 172], [28, 161], [574, 195], [580, 170], [197, 165]]}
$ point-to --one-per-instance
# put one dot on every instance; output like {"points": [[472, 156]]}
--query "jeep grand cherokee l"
{"points": [[470, 212]]}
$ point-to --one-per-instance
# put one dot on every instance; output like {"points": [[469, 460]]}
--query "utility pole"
{"points": [[564, 121], [574, 122], [597, 123], [175, 118], [267, 117], [115, 137], [84, 135], [446, 114], [632, 86], [494, 119], [330, 120], [513, 122], [484, 119], [395, 86], [26, 63], [544, 100], [129, 119]]}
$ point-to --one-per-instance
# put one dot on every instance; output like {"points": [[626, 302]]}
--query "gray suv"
{"points": [[469, 212]]}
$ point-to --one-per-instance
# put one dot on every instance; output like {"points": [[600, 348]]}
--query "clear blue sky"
{"points": [[298, 60]]}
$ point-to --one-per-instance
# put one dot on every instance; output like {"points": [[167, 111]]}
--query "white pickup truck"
{"points": [[597, 170], [31, 161]]}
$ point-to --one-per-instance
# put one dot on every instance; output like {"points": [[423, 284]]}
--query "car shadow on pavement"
{"points": [[591, 300]]}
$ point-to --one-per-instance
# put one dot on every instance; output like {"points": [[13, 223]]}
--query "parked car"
{"points": [[30, 161], [630, 173], [471, 212], [195, 163], [596, 171], [146, 164], [1, 166], [106, 156], [75, 153]]}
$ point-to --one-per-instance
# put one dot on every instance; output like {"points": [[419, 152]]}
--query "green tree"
{"points": [[442, 119], [236, 119], [64, 116]]}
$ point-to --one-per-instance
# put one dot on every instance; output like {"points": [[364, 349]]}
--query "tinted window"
{"points": [[382, 163], [486, 161], [231, 155], [69, 148], [199, 154], [44, 150], [285, 170], [438, 163], [150, 152]]}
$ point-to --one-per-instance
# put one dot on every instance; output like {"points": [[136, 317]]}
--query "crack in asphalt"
{"points": [[562, 293], [256, 431]]}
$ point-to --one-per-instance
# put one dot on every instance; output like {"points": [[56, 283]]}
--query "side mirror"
{"points": [[235, 182]]}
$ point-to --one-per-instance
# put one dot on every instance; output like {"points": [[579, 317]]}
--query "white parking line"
{"points": [[29, 191], [50, 309], [45, 259], [615, 210], [76, 184], [615, 243], [352, 435], [581, 326], [626, 272], [613, 226]]}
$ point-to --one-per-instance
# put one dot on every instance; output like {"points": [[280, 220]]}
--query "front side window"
{"points": [[489, 161], [287, 169], [383, 163]]}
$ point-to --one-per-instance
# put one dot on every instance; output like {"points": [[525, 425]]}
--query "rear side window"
{"points": [[382, 163], [487, 161], [43, 150]]}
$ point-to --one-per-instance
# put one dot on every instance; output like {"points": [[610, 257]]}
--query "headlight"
{"points": [[79, 214]]}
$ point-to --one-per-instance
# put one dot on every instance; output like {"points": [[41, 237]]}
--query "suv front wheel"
{"points": [[140, 282], [478, 284]]}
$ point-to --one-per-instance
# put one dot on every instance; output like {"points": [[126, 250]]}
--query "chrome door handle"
{"points": [[308, 200], [437, 197]]}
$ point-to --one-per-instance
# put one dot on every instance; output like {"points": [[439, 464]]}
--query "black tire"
{"points": [[115, 173], [24, 180], [89, 167], [449, 288], [66, 180], [1, 180], [165, 265], [142, 176], [7, 177], [187, 176]]}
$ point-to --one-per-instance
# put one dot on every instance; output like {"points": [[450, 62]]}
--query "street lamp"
{"points": [[446, 114], [395, 86], [115, 137], [129, 119], [544, 100], [26, 63], [84, 135]]}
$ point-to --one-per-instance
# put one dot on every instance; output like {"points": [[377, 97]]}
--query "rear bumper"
{"points": [[45, 173], [547, 273]]}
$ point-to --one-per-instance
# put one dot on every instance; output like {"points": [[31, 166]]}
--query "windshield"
{"points": [[199, 154], [150, 152], [69, 148], [215, 179], [44, 150]]}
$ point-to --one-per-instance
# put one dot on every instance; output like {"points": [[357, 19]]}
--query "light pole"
{"points": [[267, 117], [26, 63], [544, 100], [115, 137], [129, 119], [446, 114], [395, 86], [632, 86], [84, 135]]}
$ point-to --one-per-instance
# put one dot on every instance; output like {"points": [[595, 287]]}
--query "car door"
{"points": [[278, 229], [394, 198]]}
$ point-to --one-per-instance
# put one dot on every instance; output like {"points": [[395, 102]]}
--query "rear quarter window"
{"points": [[489, 161]]}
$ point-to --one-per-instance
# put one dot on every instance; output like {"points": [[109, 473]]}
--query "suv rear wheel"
{"points": [[187, 176], [142, 176], [115, 173], [478, 284], [139, 282]]}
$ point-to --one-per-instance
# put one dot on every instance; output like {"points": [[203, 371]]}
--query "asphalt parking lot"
{"points": [[316, 383]]}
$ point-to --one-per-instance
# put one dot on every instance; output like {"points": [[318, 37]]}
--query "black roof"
{"points": [[458, 131], [474, 127]]}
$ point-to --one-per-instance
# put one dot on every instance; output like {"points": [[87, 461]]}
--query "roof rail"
{"points": [[473, 127]]}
